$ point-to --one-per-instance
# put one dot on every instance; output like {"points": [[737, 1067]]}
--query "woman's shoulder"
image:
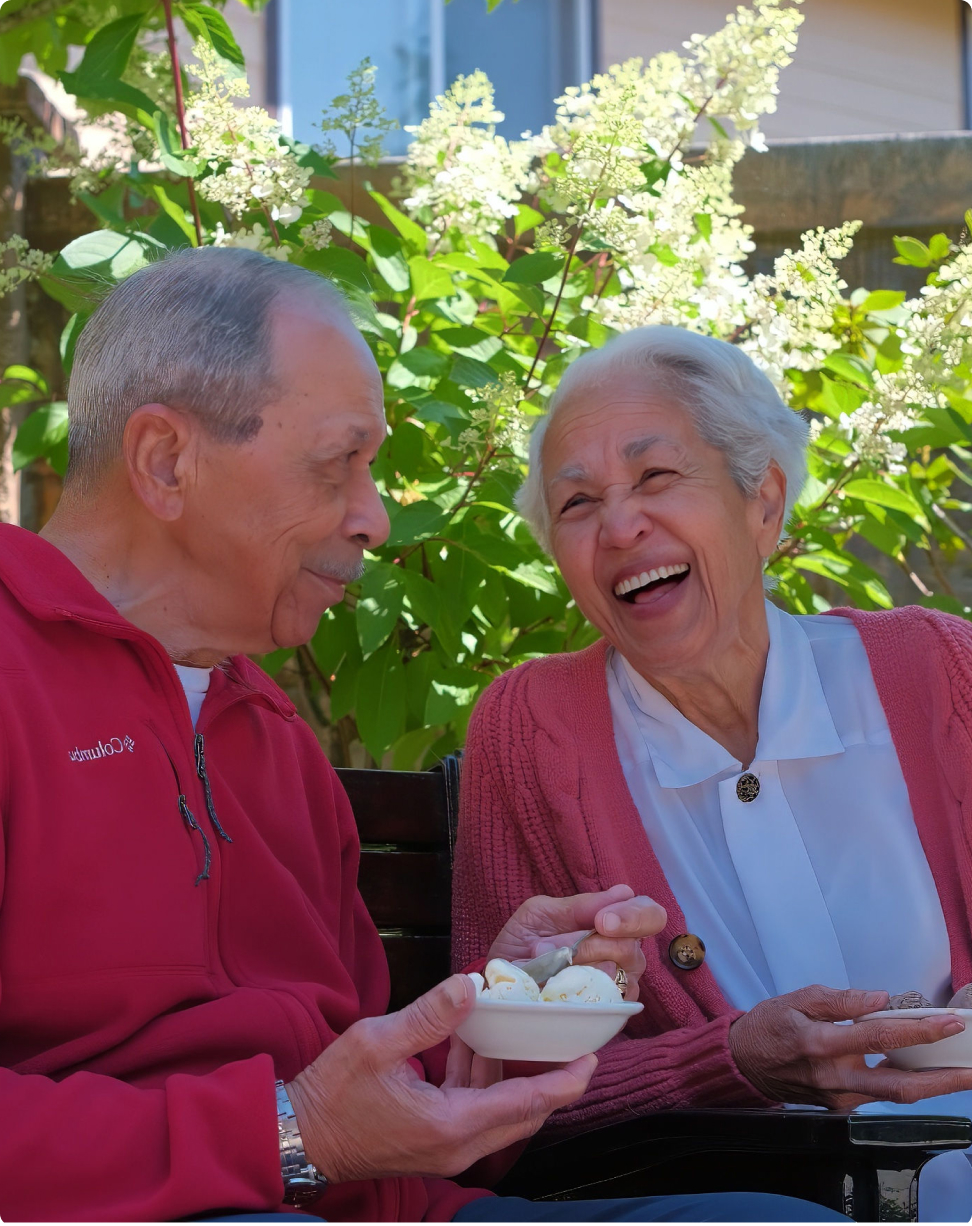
{"points": [[911, 640], [548, 689]]}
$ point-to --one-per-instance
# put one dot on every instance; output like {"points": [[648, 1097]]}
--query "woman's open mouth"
{"points": [[639, 589]]}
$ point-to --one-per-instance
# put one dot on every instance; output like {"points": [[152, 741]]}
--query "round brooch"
{"points": [[747, 787]]}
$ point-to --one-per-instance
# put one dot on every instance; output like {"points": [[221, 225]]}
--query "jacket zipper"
{"points": [[194, 825], [199, 746]]}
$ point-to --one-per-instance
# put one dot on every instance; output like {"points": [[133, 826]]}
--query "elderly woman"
{"points": [[795, 791]]}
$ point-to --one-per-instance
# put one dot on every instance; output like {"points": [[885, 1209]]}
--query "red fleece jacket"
{"points": [[546, 810], [148, 1003]]}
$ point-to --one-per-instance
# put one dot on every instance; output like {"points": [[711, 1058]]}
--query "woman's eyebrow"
{"points": [[637, 447], [570, 472]]}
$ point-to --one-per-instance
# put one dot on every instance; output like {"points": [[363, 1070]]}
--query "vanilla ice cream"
{"points": [[584, 985], [504, 981]]}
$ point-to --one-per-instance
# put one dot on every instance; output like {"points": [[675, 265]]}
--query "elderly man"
{"points": [[185, 961]]}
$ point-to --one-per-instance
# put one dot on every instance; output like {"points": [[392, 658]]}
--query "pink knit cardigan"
{"points": [[546, 810]]}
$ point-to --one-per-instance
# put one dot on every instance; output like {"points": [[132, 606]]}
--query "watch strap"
{"points": [[303, 1182]]}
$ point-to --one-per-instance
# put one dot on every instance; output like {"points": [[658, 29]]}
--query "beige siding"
{"points": [[862, 66]]}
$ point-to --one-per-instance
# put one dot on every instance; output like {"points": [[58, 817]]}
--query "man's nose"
{"points": [[367, 520]]}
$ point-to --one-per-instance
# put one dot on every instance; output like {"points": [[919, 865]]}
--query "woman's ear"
{"points": [[157, 444], [771, 508]]}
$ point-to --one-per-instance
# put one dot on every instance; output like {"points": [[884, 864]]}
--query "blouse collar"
{"points": [[794, 718]]}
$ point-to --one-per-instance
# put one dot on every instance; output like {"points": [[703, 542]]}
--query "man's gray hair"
{"points": [[733, 404], [193, 331]]}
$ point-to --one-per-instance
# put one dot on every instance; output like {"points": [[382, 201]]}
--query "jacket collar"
{"points": [[47, 584]]}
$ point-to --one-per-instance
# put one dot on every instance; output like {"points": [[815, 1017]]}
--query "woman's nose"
{"points": [[623, 522]]}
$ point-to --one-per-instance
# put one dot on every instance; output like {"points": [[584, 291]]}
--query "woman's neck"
{"points": [[720, 693]]}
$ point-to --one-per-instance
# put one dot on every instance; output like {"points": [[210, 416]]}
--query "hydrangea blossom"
{"points": [[242, 145]]}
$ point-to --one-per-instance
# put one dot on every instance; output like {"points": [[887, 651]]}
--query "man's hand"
{"points": [[621, 920], [791, 1050], [365, 1113]]}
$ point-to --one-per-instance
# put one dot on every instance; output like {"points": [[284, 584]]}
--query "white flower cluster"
{"points": [[790, 313], [257, 239], [458, 171], [317, 235], [22, 263], [496, 421], [251, 165]]}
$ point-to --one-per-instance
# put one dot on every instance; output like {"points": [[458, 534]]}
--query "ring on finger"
{"points": [[621, 979]]}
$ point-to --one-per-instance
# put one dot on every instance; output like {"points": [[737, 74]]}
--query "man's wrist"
{"points": [[303, 1182]]}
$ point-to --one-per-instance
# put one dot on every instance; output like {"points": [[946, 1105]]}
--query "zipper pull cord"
{"points": [[194, 825], [201, 772]]}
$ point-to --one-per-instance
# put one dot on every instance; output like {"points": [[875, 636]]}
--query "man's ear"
{"points": [[771, 503], [158, 447]]}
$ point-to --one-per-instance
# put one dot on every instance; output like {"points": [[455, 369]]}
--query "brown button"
{"points": [[747, 787], [687, 951]]}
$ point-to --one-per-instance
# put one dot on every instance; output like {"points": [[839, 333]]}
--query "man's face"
{"points": [[277, 526]]}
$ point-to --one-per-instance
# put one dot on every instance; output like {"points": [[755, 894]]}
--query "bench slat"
{"points": [[398, 806], [406, 889]]}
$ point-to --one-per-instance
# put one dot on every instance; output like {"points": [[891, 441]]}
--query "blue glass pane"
{"points": [[517, 47], [327, 38]]}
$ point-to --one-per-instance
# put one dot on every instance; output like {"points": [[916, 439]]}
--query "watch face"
{"points": [[300, 1190]]}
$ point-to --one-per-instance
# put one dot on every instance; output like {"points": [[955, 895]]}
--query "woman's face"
{"points": [[660, 548]]}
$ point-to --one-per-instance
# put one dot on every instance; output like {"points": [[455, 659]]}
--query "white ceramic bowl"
{"points": [[541, 1030], [953, 1052]]}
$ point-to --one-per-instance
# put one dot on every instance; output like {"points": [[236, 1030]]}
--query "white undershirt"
{"points": [[195, 682]]}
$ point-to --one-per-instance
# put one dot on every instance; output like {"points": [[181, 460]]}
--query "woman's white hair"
{"points": [[733, 404]]}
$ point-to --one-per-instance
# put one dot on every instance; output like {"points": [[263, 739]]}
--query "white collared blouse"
{"points": [[822, 878]]}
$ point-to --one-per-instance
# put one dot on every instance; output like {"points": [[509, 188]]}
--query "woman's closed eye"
{"points": [[650, 473], [575, 500]]}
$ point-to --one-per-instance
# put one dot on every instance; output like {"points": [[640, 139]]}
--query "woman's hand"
{"points": [[792, 1051], [621, 919]]}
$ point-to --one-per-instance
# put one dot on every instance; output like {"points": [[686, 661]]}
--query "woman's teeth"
{"points": [[633, 582]]}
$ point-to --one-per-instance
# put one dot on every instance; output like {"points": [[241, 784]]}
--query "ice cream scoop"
{"points": [[584, 985], [909, 1000], [504, 981], [962, 998]]}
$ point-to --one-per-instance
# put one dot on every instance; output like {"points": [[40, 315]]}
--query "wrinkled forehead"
{"points": [[621, 416]]}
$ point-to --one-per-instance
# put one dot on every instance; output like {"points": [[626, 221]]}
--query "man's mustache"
{"points": [[342, 572]]}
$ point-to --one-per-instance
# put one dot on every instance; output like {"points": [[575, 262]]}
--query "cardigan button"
{"points": [[687, 952], [747, 787]]}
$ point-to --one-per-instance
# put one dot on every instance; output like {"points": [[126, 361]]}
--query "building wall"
{"points": [[862, 67]]}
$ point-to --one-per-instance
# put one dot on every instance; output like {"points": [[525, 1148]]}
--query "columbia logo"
{"points": [[104, 749]]}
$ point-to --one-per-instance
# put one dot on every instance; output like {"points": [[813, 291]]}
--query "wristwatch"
{"points": [[303, 1183]]}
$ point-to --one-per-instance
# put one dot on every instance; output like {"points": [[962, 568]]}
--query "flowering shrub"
{"points": [[502, 262]]}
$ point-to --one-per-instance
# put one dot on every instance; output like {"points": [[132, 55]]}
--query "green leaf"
{"points": [[526, 219], [869, 490], [912, 251], [379, 604], [170, 146], [939, 245], [205, 23], [43, 435], [173, 210], [837, 397], [436, 606], [703, 223], [340, 265], [849, 367], [416, 522], [87, 268], [469, 372], [411, 232], [471, 342], [69, 338], [429, 280], [106, 55], [534, 269], [122, 96], [882, 300], [453, 691], [388, 255], [274, 661], [380, 706]]}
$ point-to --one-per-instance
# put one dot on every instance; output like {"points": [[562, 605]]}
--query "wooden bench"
{"points": [[865, 1166]]}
